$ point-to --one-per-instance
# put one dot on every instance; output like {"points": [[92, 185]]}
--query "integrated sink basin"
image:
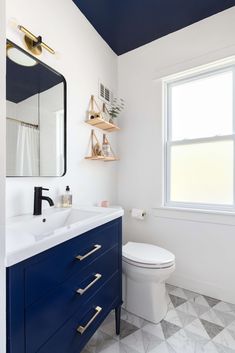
{"points": [[49, 222], [27, 235]]}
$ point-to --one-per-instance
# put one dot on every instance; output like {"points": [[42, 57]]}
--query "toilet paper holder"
{"points": [[143, 212]]}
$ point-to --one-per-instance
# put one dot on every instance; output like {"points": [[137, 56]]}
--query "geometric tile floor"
{"points": [[194, 324]]}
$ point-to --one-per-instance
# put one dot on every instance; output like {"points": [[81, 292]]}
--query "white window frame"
{"points": [[168, 83]]}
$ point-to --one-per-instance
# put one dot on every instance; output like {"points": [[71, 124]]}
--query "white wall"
{"points": [[2, 180], [204, 248], [83, 58]]}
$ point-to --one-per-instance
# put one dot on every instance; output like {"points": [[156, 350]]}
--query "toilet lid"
{"points": [[147, 254]]}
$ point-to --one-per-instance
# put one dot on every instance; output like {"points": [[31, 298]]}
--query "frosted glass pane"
{"points": [[203, 107], [202, 173]]}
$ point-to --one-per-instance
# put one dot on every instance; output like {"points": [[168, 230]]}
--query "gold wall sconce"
{"points": [[33, 43]]}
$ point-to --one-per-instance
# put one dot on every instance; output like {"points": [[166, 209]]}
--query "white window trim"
{"points": [[168, 82]]}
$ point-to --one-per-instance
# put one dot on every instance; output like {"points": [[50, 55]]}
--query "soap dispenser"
{"points": [[67, 198]]}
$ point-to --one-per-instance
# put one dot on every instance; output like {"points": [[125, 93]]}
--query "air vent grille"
{"points": [[104, 93]]}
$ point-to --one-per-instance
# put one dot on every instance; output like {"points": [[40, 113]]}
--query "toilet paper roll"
{"points": [[138, 213]]}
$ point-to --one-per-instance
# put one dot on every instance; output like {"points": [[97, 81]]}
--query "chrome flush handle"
{"points": [[82, 329], [81, 291], [82, 257]]}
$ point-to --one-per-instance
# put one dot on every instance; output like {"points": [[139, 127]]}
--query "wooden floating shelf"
{"points": [[111, 159], [103, 124], [104, 159], [96, 150]]}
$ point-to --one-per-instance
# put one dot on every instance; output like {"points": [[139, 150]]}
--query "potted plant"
{"points": [[115, 109]]}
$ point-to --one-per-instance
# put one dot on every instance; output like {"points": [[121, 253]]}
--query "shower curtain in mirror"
{"points": [[27, 159]]}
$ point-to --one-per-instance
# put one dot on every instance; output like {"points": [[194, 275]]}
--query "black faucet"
{"points": [[38, 197]]}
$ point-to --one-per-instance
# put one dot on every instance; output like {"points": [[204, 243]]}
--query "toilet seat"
{"points": [[147, 256]]}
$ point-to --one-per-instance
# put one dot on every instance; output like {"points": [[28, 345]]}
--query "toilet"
{"points": [[146, 268]]}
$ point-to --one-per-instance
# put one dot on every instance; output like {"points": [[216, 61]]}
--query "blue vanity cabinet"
{"points": [[57, 299]]}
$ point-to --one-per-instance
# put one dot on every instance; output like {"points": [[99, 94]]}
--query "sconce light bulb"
{"points": [[13, 23], [57, 55]]}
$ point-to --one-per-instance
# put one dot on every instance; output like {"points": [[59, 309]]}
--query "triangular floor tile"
{"points": [[181, 342], [172, 316], [187, 308], [179, 292], [225, 339], [150, 341], [210, 348], [155, 330], [200, 309], [200, 300], [127, 329], [232, 333], [232, 306], [212, 316], [185, 319], [170, 287], [197, 328], [222, 349], [211, 301], [212, 329], [122, 348], [99, 341], [189, 294], [224, 307], [135, 341], [196, 338], [169, 329], [114, 348], [132, 319], [225, 318], [231, 327], [164, 347], [176, 301]]}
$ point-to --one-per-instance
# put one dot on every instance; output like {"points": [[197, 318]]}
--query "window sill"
{"points": [[195, 215]]}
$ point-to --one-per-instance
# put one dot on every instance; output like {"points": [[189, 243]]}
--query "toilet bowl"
{"points": [[145, 270]]}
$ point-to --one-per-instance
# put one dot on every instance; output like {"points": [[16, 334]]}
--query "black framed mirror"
{"points": [[35, 116]]}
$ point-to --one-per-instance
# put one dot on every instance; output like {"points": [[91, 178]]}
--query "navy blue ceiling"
{"points": [[128, 24], [23, 81]]}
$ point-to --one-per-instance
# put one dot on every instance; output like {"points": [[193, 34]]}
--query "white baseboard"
{"points": [[205, 288]]}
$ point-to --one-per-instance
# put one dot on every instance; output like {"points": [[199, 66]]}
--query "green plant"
{"points": [[116, 107]]}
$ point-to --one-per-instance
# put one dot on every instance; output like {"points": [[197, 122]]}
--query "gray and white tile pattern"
{"points": [[194, 324]]}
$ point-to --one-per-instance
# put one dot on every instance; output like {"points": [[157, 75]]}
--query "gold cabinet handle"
{"points": [[81, 291], [82, 257], [82, 329]]}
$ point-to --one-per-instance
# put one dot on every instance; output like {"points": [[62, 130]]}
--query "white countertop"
{"points": [[29, 235]]}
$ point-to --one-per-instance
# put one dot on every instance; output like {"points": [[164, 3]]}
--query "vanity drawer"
{"points": [[67, 338], [46, 271], [46, 316]]}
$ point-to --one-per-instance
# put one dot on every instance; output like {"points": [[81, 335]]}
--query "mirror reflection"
{"points": [[35, 122]]}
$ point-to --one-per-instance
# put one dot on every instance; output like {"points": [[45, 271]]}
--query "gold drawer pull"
{"points": [[81, 291], [82, 329], [82, 257]]}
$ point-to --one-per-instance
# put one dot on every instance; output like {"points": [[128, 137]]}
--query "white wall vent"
{"points": [[104, 93]]}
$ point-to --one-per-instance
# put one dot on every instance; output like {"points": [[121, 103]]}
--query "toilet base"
{"points": [[146, 300]]}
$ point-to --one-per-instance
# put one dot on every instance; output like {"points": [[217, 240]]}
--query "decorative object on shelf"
{"points": [[97, 152], [106, 147], [96, 149], [100, 118], [33, 43], [92, 114], [116, 107]]}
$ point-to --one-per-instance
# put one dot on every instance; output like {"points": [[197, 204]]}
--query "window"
{"points": [[200, 138]]}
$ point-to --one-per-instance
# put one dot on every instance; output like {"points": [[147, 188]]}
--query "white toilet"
{"points": [[145, 270]]}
